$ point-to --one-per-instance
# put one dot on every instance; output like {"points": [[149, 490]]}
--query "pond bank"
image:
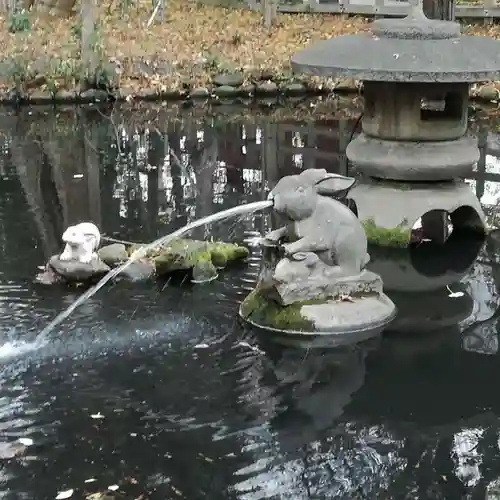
{"points": [[199, 52]]}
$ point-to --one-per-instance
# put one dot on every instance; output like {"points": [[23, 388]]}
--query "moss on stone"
{"points": [[398, 236], [266, 312], [222, 253], [203, 258]]}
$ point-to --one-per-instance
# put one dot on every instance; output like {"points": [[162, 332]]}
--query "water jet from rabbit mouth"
{"points": [[246, 209]]}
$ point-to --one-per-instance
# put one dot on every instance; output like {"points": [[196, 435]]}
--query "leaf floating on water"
{"points": [[453, 294], [97, 415], [251, 347], [26, 441], [64, 494], [201, 346], [97, 496], [90, 480], [113, 487], [176, 491]]}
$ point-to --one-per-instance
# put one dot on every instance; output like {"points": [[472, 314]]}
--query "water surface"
{"points": [[160, 390]]}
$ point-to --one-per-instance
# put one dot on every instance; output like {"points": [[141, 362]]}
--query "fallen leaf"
{"points": [[91, 480], [97, 415], [346, 298], [64, 494], [201, 346], [113, 487], [454, 294], [251, 347], [26, 441]]}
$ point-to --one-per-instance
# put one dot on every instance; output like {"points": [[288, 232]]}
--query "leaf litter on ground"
{"points": [[193, 43]]}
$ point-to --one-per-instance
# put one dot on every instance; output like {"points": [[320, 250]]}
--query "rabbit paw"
{"points": [[274, 236], [67, 254], [289, 249], [87, 257]]}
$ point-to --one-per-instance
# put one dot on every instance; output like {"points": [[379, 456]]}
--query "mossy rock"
{"points": [[201, 258], [397, 237], [265, 312]]}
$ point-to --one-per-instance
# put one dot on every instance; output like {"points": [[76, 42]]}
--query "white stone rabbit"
{"points": [[318, 223], [82, 241]]}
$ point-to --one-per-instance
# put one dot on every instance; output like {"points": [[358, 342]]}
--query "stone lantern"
{"points": [[414, 148]]}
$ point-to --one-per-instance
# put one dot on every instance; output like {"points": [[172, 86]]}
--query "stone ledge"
{"points": [[245, 93]]}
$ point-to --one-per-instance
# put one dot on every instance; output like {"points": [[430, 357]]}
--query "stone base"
{"points": [[329, 323], [389, 210], [74, 271], [321, 283], [414, 161]]}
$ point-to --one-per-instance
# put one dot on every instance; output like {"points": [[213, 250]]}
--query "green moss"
{"points": [[266, 312], [398, 236], [185, 254], [222, 253]]}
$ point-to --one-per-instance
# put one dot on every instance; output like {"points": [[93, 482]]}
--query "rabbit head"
{"points": [[294, 196], [73, 236], [81, 234], [294, 199]]}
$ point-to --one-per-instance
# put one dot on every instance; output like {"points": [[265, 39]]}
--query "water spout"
{"points": [[248, 208]]}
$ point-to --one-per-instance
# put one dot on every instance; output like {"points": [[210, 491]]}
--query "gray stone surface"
{"points": [[296, 282], [229, 79], [113, 254], [74, 271], [227, 91], [412, 49], [266, 88], [336, 323], [320, 284], [321, 224], [200, 93], [359, 314], [48, 277], [248, 89], [294, 88], [414, 161], [389, 205], [416, 112], [140, 270]]}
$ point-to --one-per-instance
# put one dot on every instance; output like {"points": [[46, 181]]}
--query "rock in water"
{"points": [[140, 270], [48, 277], [200, 257], [75, 271], [113, 255]]}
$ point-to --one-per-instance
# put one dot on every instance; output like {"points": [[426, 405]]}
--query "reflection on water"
{"points": [[160, 390]]}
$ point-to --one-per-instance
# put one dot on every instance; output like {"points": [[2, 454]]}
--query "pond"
{"points": [[159, 392]]}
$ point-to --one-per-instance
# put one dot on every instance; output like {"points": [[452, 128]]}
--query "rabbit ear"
{"points": [[313, 175], [335, 185]]}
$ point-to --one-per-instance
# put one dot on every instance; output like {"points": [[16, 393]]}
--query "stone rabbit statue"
{"points": [[82, 241], [318, 223]]}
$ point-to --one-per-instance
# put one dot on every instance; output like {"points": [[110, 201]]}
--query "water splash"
{"points": [[15, 348], [246, 209]]}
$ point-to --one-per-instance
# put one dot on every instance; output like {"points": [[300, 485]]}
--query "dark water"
{"points": [[194, 406]]}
